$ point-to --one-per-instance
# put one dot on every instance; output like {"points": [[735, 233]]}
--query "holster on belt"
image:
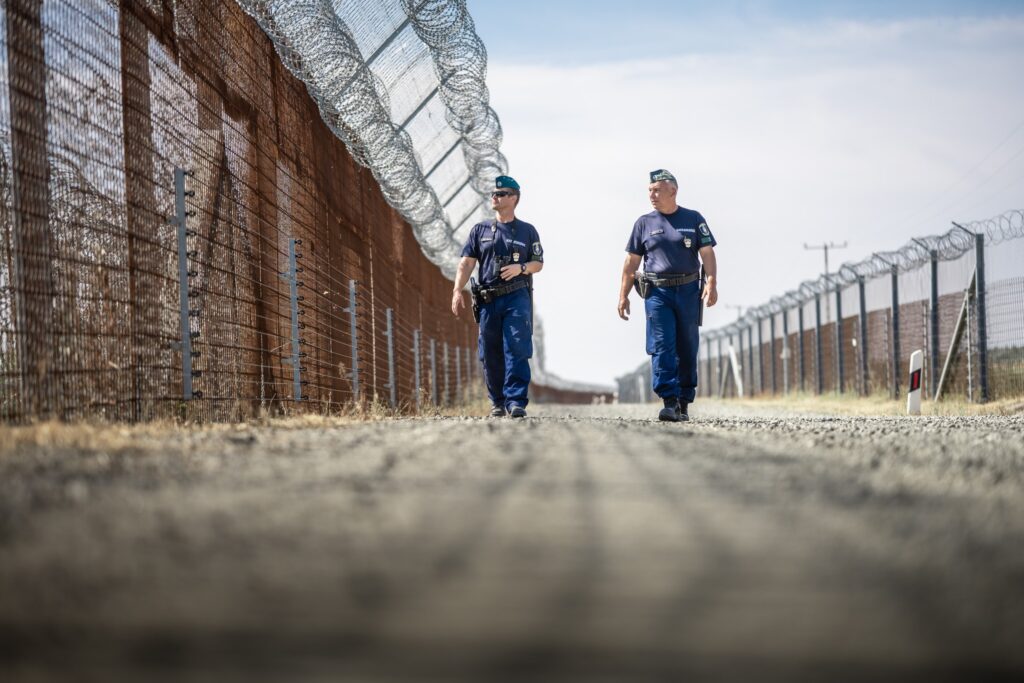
{"points": [[642, 285], [474, 290], [485, 295], [644, 282]]}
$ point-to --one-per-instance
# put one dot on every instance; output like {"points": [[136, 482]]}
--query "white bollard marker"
{"points": [[914, 394]]}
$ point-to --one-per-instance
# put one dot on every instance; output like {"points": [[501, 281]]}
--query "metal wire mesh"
{"points": [[280, 229]]}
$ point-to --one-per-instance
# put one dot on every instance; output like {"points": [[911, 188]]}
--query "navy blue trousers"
{"points": [[506, 346], [672, 340]]}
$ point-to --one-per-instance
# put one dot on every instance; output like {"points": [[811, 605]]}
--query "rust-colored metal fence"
{"points": [[273, 267]]}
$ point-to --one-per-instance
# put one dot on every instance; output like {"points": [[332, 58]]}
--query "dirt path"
{"points": [[585, 543]]}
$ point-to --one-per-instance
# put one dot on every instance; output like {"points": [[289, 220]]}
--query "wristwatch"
{"points": [[522, 269]]}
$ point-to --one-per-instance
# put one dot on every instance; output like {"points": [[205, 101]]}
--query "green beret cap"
{"points": [[504, 181], [662, 174]]}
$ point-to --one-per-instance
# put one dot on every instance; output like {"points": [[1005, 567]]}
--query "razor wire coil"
{"points": [[947, 246], [321, 49]]}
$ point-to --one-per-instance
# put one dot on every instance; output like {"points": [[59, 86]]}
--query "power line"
{"points": [[825, 247]]}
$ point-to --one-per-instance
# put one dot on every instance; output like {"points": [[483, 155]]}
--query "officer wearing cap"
{"points": [[673, 242], [509, 253]]}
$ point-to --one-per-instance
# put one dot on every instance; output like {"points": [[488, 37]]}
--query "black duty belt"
{"points": [[671, 279], [488, 294]]}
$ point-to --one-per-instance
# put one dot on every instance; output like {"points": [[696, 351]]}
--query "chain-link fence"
{"points": [[185, 236], [958, 297]]}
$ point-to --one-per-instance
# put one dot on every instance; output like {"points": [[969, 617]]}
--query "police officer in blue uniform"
{"points": [[673, 242], [509, 253]]}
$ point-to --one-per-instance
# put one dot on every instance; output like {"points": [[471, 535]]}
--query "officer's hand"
{"points": [[710, 295], [509, 272], [457, 302], [624, 308]]}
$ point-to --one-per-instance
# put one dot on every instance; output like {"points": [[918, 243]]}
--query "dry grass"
{"points": [[110, 437], [846, 404]]}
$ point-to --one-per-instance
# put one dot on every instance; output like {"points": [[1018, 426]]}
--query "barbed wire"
{"points": [[914, 254], [318, 47]]}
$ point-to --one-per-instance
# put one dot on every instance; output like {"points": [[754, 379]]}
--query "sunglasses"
{"points": [[502, 194]]}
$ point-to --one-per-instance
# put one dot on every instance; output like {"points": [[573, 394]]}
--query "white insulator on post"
{"points": [[914, 393]]}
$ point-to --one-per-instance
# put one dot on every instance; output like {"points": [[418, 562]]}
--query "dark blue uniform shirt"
{"points": [[669, 243], [518, 241]]}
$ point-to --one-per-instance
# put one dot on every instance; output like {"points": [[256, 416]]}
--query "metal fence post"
{"points": [[32, 242], [458, 376], [470, 392], [933, 355], [447, 392], [739, 354], [760, 356], [785, 352], [433, 371], [416, 366], [801, 369], [295, 360], [750, 356], [706, 350], [184, 295], [979, 247], [819, 384], [720, 377], [895, 333], [771, 349], [390, 334], [839, 340], [863, 337], [354, 326]]}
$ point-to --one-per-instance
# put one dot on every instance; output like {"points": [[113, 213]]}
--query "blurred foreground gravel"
{"points": [[582, 544]]}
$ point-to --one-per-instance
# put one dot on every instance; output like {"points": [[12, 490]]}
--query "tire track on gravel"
{"points": [[693, 595], [860, 552], [564, 607]]}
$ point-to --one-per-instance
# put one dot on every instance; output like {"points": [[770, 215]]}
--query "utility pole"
{"points": [[739, 310], [825, 247]]}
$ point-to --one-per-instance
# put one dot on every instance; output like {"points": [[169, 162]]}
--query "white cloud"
{"points": [[842, 131]]}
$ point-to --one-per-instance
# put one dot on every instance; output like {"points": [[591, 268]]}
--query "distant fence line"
{"points": [[181, 234], [958, 296]]}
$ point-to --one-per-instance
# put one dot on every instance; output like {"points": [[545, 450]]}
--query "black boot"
{"points": [[670, 413], [684, 416], [497, 411]]}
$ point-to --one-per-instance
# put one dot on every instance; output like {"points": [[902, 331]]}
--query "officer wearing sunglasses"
{"points": [[509, 253], [675, 245]]}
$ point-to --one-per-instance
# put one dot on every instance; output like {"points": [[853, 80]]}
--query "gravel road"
{"points": [[582, 544]]}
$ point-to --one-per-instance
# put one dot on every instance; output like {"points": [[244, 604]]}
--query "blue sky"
{"points": [[786, 123], [534, 31]]}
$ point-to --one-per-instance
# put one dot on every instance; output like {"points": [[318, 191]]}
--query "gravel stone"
{"points": [[584, 543]]}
